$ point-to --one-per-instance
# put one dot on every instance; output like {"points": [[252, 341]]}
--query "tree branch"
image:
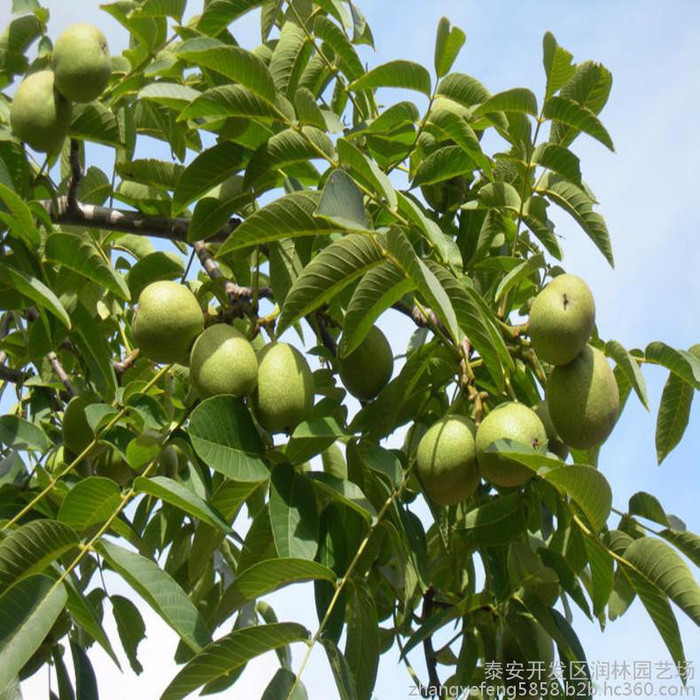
{"points": [[239, 297], [428, 319], [128, 361], [61, 373], [76, 176], [93, 216]]}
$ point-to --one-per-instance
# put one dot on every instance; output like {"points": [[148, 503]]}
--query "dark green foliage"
{"points": [[308, 210]]}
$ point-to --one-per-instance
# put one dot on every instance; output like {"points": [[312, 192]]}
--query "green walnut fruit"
{"points": [[562, 319], [222, 361], [446, 460], [39, 115], [509, 421], [584, 400], [367, 369], [555, 444], [81, 63], [77, 433], [285, 392], [111, 465], [168, 319]]}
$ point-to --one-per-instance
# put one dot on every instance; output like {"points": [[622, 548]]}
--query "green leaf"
{"points": [[293, 514], [519, 100], [375, 292], [500, 194], [281, 687], [535, 218], [674, 414], [270, 575], [354, 159], [662, 567], [342, 202], [95, 187], [19, 434], [285, 148], [151, 268], [95, 122], [398, 74], [170, 95], [31, 548], [329, 272], [442, 164], [28, 611], [308, 112], [90, 502], [181, 497], [18, 218], [457, 129], [229, 101], [580, 206], [393, 117], [230, 653], [346, 492], [648, 506], [577, 117], [218, 14], [35, 290], [463, 89], [224, 437], [88, 336], [497, 521], [208, 169], [130, 627], [286, 217], [401, 252], [311, 438], [560, 160], [84, 614], [161, 8], [151, 171], [448, 43], [601, 564], [474, 318], [85, 679], [160, 591], [589, 86], [588, 487], [630, 368], [682, 363], [331, 34], [289, 58], [517, 274], [344, 681], [686, 542], [557, 64], [78, 253], [362, 640], [233, 62]]}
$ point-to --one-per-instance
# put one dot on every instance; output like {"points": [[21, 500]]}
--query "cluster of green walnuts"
{"points": [[42, 107], [168, 327], [580, 410]]}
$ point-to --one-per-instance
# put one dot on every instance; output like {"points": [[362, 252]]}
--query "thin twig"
{"points": [[76, 176], [128, 361], [61, 373], [234, 291]]}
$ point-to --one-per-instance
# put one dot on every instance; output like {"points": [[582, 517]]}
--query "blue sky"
{"points": [[648, 192]]}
